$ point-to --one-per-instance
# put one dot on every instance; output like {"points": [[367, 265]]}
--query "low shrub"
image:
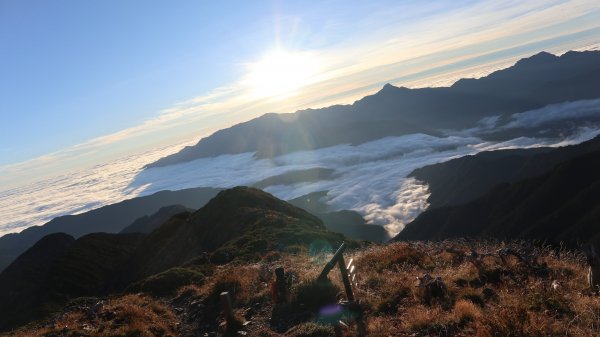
{"points": [[314, 295], [167, 282]]}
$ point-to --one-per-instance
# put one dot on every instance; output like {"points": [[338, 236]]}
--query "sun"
{"points": [[280, 74]]}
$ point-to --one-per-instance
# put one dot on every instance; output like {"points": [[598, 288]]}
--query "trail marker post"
{"points": [[280, 290], [349, 278], [227, 309]]}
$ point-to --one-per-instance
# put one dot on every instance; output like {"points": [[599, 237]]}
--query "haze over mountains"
{"points": [[531, 83], [487, 157], [237, 223], [109, 219], [145, 214], [240, 223], [544, 100]]}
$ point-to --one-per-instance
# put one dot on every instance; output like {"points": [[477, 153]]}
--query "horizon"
{"points": [[336, 61], [198, 168]]}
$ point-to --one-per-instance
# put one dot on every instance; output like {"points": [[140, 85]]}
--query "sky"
{"points": [[85, 82]]}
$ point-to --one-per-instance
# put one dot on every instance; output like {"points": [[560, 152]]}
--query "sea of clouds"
{"points": [[370, 178]]}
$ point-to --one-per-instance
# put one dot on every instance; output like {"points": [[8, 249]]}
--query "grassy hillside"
{"points": [[240, 225], [491, 293], [108, 219]]}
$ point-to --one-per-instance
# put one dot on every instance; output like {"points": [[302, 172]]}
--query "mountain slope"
{"points": [[241, 223], [561, 205], [531, 83], [59, 268], [460, 180], [347, 222], [23, 281], [488, 294], [147, 224], [111, 219]]}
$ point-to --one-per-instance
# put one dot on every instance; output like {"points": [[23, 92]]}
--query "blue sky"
{"points": [[83, 82]]}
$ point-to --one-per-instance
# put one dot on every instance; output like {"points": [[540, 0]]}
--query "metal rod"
{"points": [[332, 262], [345, 279]]}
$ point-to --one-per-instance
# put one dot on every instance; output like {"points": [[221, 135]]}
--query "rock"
{"points": [[431, 289]]}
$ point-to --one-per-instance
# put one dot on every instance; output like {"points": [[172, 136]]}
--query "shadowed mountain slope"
{"points": [[347, 222], [110, 219], [531, 83], [23, 281], [59, 268], [460, 180], [561, 205], [241, 223], [147, 224], [294, 177]]}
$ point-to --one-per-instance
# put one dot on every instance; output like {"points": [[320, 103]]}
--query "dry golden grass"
{"points": [[130, 315], [465, 310], [488, 297]]}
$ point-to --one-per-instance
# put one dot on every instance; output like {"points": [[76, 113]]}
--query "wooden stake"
{"points": [[345, 279], [227, 309], [281, 285], [332, 262]]}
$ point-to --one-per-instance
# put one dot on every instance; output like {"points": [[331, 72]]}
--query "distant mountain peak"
{"points": [[389, 88], [235, 200], [532, 83], [539, 58]]}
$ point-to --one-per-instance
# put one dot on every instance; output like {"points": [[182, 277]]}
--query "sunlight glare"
{"points": [[281, 74]]}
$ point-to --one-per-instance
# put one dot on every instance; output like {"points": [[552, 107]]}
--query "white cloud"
{"points": [[370, 178], [555, 113], [474, 41], [387, 46]]}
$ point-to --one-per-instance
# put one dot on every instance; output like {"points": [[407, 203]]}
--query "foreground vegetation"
{"points": [[491, 289]]}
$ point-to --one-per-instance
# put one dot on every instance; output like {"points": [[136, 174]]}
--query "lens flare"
{"points": [[281, 74]]}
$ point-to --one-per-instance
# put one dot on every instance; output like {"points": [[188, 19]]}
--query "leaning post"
{"points": [[345, 278], [331, 264]]}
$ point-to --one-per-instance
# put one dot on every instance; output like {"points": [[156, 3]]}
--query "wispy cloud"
{"points": [[370, 178], [445, 43]]}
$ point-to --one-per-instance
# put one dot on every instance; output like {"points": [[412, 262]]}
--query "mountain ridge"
{"points": [[238, 224], [110, 218], [557, 206], [463, 179], [531, 83]]}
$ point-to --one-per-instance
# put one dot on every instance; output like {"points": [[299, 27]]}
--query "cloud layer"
{"points": [[370, 178], [387, 45]]}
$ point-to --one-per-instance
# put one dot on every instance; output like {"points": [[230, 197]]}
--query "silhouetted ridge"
{"points": [[347, 222], [531, 83], [240, 224], [110, 219], [389, 88], [463, 179], [147, 224], [23, 282], [537, 59], [36, 259], [561, 205], [243, 199]]}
